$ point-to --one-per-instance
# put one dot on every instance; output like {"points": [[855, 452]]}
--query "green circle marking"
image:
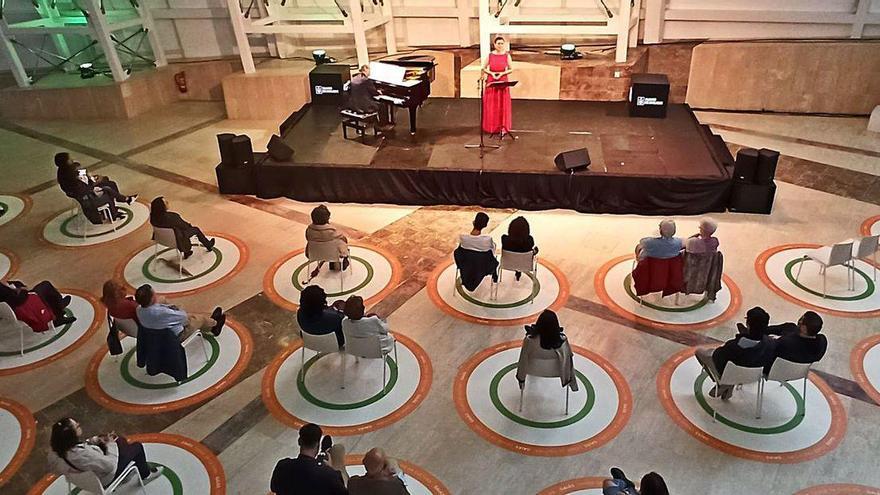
{"points": [[145, 269], [131, 380], [772, 430], [65, 225], [627, 286], [370, 272], [167, 472], [58, 334], [304, 391], [869, 289], [536, 288], [496, 401]]}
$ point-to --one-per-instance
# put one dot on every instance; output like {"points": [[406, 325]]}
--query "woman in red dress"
{"points": [[497, 114]]}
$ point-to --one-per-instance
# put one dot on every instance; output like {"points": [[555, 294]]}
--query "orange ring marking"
{"points": [[28, 437]]}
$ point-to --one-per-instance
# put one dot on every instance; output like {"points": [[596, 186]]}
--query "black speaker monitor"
{"points": [[224, 142], [242, 151], [766, 170], [569, 161], [746, 165], [752, 198], [278, 150]]}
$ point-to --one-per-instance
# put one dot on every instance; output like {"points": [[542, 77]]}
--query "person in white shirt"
{"points": [[476, 240], [159, 316], [356, 324]]}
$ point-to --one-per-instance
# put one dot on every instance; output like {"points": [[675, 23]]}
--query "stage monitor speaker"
{"points": [[242, 151], [224, 142], [570, 161], [752, 198], [746, 165], [766, 170], [278, 150]]}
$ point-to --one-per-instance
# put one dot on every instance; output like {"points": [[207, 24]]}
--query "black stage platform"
{"points": [[644, 166]]}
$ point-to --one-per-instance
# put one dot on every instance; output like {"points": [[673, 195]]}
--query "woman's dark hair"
{"points": [[653, 484], [757, 320], [498, 38], [354, 308], [518, 228], [158, 209], [321, 215], [62, 158], [64, 437], [312, 300], [548, 330], [481, 221]]}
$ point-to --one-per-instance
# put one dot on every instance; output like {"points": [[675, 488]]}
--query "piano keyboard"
{"points": [[391, 99]]}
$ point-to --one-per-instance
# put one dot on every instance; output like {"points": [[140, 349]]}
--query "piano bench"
{"points": [[360, 122]]}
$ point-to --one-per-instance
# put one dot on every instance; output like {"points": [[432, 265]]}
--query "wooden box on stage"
{"points": [[649, 95]]}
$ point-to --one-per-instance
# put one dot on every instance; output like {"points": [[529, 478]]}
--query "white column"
{"points": [[654, 14], [271, 39], [150, 26], [858, 26], [622, 31], [57, 38], [634, 24], [360, 35], [21, 77], [485, 30], [390, 28], [101, 32], [241, 39], [463, 9]]}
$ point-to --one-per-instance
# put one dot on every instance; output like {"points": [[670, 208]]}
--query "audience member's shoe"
{"points": [[187, 254], [65, 301], [119, 216], [617, 474], [345, 263], [326, 443], [155, 473], [209, 246], [131, 199], [64, 320], [315, 272], [221, 320], [216, 313], [727, 393], [518, 276]]}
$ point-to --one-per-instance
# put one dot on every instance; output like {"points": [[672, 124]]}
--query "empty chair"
{"points": [[83, 220], [517, 262], [10, 323], [201, 337], [165, 237], [88, 481], [735, 374], [325, 251], [545, 368], [320, 344], [865, 248], [826, 256], [783, 371], [367, 347]]}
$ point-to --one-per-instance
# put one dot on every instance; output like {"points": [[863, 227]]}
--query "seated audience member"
{"points": [[104, 455], [30, 304], [750, 348], [663, 247], [315, 317], [518, 239], [704, 241], [799, 342], [183, 231], [318, 469], [546, 340], [651, 484], [475, 255], [381, 477], [119, 305], [356, 324], [320, 231], [476, 240], [90, 191], [160, 316]]}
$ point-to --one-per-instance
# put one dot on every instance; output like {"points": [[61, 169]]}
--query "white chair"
{"points": [[864, 248], [83, 220], [165, 237], [545, 368], [735, 375], [88, 481], [10, 323], [321, 344], [125, 325], [516, 262], [368, 348], [325, 251], [783, 371], [191, 338], [839, 254]]}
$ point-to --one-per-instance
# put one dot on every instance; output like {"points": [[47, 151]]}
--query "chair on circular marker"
{"points": [[544, 368], [320, 344], [80, 214], [736, 375], [516, 262], [327, 252], [10, 323], [839, 254], [368, 348], [88, 482], [166, 237], [865, 248], [784, 371]]}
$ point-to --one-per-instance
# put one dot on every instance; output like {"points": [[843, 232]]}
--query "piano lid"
{"points": [[390, 74]]}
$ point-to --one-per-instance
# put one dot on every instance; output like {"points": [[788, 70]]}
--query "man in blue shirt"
{"points": [[664, 247], [158, 316]]}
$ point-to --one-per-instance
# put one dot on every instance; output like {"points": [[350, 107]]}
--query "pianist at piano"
{"points": [[362, 97], [404, 82]]}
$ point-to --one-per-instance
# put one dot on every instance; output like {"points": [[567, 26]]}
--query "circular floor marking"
{"points": [[840, 489], [790, 430], [865, 365], [66, 231], [871, 226], [373, 274], [13, 206], [43, 348], [777, 267], [190, 468], [8, 264], [516, 302], [613, 283], [119, 385], [417, 480], [18, 429], [581, 486], [206, 269], [296, 398], [486, 395]]}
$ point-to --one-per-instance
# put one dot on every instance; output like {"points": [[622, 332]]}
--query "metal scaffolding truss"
{"points": [[92, 19]]}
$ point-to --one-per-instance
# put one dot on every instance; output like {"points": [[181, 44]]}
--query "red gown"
{"points": [[497, 113]]}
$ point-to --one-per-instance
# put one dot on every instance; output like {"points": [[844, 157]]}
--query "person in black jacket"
{"points": [[750, 348], [799, 342], [183, 231], [361, 97], [518, 239], [314, 471], [90, 191]]}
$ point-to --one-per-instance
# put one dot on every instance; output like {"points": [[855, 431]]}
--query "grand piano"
{"points": [[404, 82]]}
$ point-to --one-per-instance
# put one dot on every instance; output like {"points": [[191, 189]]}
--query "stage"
{"points": [[639, 165]]}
